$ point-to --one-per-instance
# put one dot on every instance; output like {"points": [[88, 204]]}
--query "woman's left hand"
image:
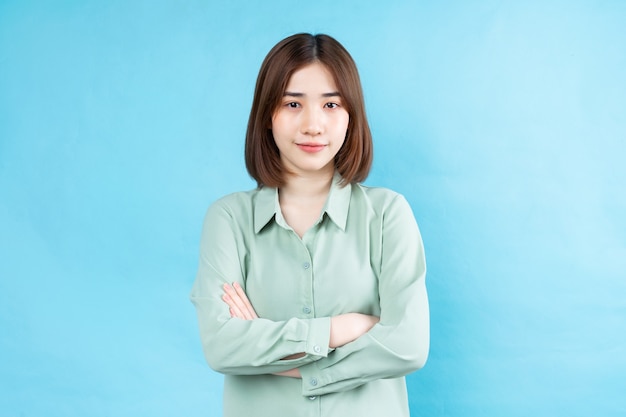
{"points": [[238, 302]]}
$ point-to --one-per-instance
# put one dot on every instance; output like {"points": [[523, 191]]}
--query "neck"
{"points": [[307, 187]]}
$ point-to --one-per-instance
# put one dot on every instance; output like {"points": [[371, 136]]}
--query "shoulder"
{"points": [[390, 211], [380, 199], [382, 205], [235, 200], [238, 205]]}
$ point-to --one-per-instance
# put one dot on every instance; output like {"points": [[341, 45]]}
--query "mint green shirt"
{"points": [[363, 255]]}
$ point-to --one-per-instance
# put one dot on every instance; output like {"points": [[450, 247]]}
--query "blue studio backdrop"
{"points": [[502, 122]]}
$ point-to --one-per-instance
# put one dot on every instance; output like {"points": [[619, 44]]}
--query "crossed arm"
{"points": [[344, 328]]}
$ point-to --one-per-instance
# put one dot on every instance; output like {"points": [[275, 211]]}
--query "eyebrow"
{"points": [[294, 94]]}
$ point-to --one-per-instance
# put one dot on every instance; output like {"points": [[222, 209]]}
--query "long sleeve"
{"points": [[399, 343], [244, 347], [364, 255]]}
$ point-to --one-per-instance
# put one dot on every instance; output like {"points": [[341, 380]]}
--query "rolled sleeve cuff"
{"points": [[311, 379], [319, 337]]}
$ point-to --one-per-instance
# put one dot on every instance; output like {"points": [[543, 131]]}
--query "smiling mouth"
{"points": [[311, 147]]}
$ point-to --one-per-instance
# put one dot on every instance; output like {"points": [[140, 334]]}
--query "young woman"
{"points": [[310, 291]]}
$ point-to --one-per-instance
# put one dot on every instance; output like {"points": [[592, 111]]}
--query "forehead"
{"points": [[315, 76]]}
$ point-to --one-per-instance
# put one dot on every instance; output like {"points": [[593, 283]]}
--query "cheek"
{"points": [[282, 122], [274, 120], [342, 130], [276, 124], [343, 124]]}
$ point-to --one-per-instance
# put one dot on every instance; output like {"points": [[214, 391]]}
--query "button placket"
{"points": [[307, 274]]}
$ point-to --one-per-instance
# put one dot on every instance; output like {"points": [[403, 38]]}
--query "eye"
{"points": [[292, 105], [332, 105]]}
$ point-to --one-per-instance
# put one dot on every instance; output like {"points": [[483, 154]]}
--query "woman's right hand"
{"points": [[346, 328]]}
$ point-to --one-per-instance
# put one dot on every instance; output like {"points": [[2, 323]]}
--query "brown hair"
{"points": [[354, 159]]}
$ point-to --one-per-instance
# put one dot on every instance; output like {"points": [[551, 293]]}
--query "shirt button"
{"points": [[306, 310], [317, 349], [306, 265], [312, 397], [313, 381]]}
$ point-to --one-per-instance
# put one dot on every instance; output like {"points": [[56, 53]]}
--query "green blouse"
{"points": [[364, 255]]}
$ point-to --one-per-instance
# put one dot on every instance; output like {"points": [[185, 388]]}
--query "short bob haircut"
{"points": [[354, 159]]}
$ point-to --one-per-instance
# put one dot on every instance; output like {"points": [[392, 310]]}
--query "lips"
{"points": [[311, 147]]}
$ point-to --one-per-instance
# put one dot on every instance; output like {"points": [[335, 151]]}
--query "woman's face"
{"points": [[310, 124]]}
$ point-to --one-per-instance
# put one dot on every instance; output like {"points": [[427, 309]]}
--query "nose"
{"points": [[312, 121]]}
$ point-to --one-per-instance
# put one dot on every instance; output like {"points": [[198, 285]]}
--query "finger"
{"points": [[237, 302], [245, 300], [241, 300], [232, 307]]}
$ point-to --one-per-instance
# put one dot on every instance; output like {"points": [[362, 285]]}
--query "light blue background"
{"points": [[503, 123]]}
